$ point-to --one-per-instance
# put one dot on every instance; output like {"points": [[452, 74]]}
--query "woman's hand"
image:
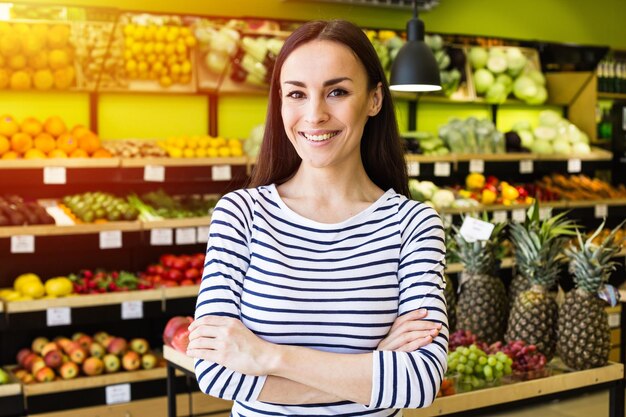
{"points": [[226, 341], [409, 333]]}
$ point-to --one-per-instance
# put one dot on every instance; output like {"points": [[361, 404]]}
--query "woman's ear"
{"points": [[376, 100]]}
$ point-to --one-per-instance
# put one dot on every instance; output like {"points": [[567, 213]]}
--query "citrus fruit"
{"points": [[24, 278], [34, 289], [79, 153], [21, 142], [89, 142], [55, 126], [59, 286], [31, 126], [45, 142], [5, 144], [67, 143], [11, 155], [57, 153], [34, 154], [8, 126], [20, 80]]}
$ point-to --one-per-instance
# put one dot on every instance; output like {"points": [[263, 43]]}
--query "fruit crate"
{"points": [[11, 398]]}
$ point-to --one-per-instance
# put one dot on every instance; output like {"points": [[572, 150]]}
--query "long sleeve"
{"points": [[412, 379], [226, 263]]}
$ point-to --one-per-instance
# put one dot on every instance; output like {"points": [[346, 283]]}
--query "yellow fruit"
{"points": [[34, 154], [165, 81], [185, 67], [211, 152], [10, 44], [58, 36], [181, 142], [33, 289], [43, 80], [4, 78], [236, 151], [219, 142], [5, 145], [192, 142], [8, 125], [131, 65], [203, 141], [64, 78], [20, 80], [234, 143], [201, 153], [23, 279], [129, 29], [190, 41], [58, 59], [189, 153], [17, 62], [11, 155], [223, 152], [32, 44], [159, 47], [185, 79], [175, 152], [181, 49], [57, 153], [39, 60], [59, 286], [12, 296]]}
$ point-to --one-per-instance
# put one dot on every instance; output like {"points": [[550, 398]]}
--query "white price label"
{"points": [[614, 320], [526, 166], [161, 237], [545, 213], [500, 216], [447, 220], [23, 244], [132, 310], [117, 394], [474, 229], [518, 215], [601, 211], [203, 234], [54, 175], [111, 239], [186, 236], [477, 165], [442, 169], [221, 173], [59, 316], [154, 173], [574, 166], [413, 169]]}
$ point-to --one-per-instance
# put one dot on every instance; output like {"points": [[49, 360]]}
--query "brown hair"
{"points": [[381, 150]]}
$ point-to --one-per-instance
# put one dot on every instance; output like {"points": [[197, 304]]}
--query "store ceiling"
{"points": [[424, 5]]}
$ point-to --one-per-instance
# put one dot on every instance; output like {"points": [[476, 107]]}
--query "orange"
{"points": [[45, 143], [5, 77], [55, 126], [5, 144], [34, 154], [31, 126], [58, 36], [63, 78], [10, 155], [43, 79], [8, 126], [67, 143], [79, 153], [21, 142], [101, 153], [79, 130], [89, 142], [58, 59], [57, 153], [20, 80]]}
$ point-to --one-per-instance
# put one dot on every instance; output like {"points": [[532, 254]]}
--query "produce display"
{"points": [[476, 369], [33, 139], [97, 282], [424, 143], [584, 338], [217, 44], [134, 148], [36, 56], [158, 205], [500, 71], [449, 71], [202, 147], [174, 271], [575, 187], [176, 334], [4, 377], [14, 211], [99, 58], [472, 136], [97, 207], [27, 11], [253, 62], [82, 355], [29, 286]]}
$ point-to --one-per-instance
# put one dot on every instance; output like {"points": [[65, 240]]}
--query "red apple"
{"points": [[192, 273], [84, 341], [49, 347], [36, 365], [117, 346], [69, 370], [53, 359], [187, 282], [44, 374], [78, 355], [97, 350], [22, 354], [38, 344], [174, 275], [131, 361], [167, 260], [93, 366]]}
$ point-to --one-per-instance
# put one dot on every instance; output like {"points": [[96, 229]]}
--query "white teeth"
{"points": [[320, 138]]}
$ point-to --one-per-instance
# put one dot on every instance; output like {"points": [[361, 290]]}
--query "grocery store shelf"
{"points": [[94, 381], [522, 390], [546, 204], [178, 358], [180, 292], [596, 154], [458, 267], [8, 390], [611, 96], [87, 300], [174, 223], [78, 229], [182, 162], [61, 162]]}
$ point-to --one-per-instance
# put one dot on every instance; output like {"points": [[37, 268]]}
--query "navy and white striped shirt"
{"points": [[333, 287]]}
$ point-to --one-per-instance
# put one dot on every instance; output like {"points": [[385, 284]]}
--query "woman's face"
{"points": [[325, 103]]}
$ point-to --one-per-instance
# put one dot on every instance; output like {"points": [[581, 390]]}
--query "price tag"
{"points": [[477, 165], [442, 169], [111, 239], [221, 173], [154, 173], [574, 166], [601, 211], [23, 244], [203, 234], [474, 229], [54, 175], [526, 166], [447, 220], [614, 320], [545, 213], [186, 236], [500, 216], [117, 394], [161, 237], [413, 168], [59, 316], [518, 215], [132, 310]]}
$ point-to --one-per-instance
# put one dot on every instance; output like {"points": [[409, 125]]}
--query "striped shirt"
{"points": [[333, 287]]}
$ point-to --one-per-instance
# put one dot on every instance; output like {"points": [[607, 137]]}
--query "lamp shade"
{"points": [[415, 69]]}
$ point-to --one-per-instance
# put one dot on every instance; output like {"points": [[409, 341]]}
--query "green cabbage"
{"points": [[537, 77], [524, 88], [521, 125], [515, 59], [549, 118], [581, 148], [562, 147], [496, 94], [478, 57], [540, 97], [546, 133], [497, 64], [483, 79], [542, 147], [527, 138]]}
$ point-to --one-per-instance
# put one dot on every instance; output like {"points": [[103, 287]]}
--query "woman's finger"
{"points": [[409, 337], [413, 315], [416, 344], [411, 326]]}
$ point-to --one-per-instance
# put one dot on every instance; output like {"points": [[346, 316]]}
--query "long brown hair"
{"points": [[381, 150]]}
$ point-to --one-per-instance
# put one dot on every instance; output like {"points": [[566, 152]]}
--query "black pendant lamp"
{"points": [[415, 68]]}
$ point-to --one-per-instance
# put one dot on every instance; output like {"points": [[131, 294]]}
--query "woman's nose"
{"points": [[316, 111]]}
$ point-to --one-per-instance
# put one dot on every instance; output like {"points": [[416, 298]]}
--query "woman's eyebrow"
{"points": [[332, 81]]}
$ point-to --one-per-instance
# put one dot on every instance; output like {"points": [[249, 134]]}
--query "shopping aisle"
{"points": [[588, 405]]}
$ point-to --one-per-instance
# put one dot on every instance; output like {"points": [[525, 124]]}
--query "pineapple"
{"points": [[519, 283], [538, 246], [482, 305], [450, 296], [584, 338]]}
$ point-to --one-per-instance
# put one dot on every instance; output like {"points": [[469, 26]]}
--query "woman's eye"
{"points": [[338, 92], [295, 94]]}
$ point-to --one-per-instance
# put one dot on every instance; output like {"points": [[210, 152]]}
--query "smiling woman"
{"points": [[322, 292]]}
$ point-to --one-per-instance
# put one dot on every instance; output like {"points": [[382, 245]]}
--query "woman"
{"points": [[318, 277]]}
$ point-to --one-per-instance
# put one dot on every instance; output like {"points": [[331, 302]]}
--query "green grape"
{"points": [[478, 369], [463, 359], [465, 351], [498, 374], [473, 356], [461, 368], [488, 372], [469, 370], [453, 364], [482, 360], [507, 369], [473, 348], [492, 361], [470, 364], [509, 361], [499, 366], [501, 356]]}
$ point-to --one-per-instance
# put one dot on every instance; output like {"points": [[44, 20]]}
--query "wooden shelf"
{"points": [[12, 388], [61, 162], [597, 154], [611, 96], [182, 162], [185, 291], [519, 391], [178, 358], [94, 381], [78, 229], [547, 204], [174, 223]]}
